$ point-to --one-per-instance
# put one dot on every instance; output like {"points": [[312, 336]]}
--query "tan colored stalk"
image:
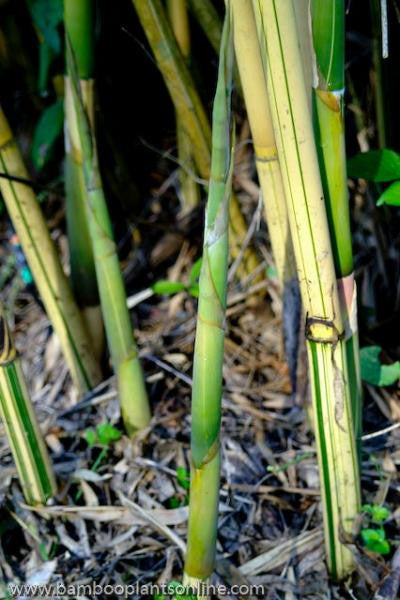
{"points": [[45, 265], [254, 86], [190, 193]]}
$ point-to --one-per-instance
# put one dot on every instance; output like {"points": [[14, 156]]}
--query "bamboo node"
{"points": [[322, 330], [265, 153]]}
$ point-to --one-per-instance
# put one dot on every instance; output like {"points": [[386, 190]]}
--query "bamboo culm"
{"points": [[324, 325], [41, 254], [34, 468], [79, 24], [124, 354], [209, 344]]}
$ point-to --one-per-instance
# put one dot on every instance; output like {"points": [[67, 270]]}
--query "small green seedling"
{"points": [[374, 538], [104, 435], [164, 287], [183, 479], [175, 591]]}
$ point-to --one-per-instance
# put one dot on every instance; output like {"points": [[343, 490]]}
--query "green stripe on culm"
{"points": [[26, 443]]}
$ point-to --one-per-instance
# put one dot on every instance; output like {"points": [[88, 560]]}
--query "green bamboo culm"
{"points": [[328, 38], [41, 254], [78, 20], [209, 344], [26, 442], [190, 193], [325, 326], [124, 354], [209, 20], [191, 112]]}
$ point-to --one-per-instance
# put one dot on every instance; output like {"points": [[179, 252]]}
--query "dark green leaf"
{"points": [[391, 195], [373, 371], [195, 271], [48, 129], [167, 288], [375, 165], [174, 502], [47, 15]]}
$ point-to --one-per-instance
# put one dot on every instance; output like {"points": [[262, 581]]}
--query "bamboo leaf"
{"points": [[167, 288], [47, 16], [373, 371], [391, 196], [47, 131], [375, 165]]}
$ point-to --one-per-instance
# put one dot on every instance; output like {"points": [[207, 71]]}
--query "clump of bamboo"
{"points": [[41, 254], [26, 442], [124, 354], [328, 38], [78, 19], [178, 16], [209, 345], [190, 110], [325, 326]]}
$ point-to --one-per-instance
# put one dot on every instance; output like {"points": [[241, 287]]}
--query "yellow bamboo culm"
{"points": [[324, 326], [254, 87], [44, 263], [189, 188]]}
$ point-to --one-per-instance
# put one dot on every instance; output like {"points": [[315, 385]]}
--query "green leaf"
{"points": [[167, 288], [90, 437], [174, 502], [195, 271], [391, 195], [107, 433], [47, 131], [175, 589], [183, 478], [375, 165], [375, 540], [47, 16], [194, 290], [46, 57], [373, 371], [378, 513]]}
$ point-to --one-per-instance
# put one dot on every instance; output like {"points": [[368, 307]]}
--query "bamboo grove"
{"points": [[285, 60]]}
